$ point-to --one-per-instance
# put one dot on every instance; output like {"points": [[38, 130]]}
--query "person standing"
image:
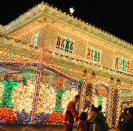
{"points": [[98, 121], [127, 125], [82, 123], [70, 114], [123, 116]]}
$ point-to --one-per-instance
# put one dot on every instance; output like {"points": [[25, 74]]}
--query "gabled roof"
{"points": [[44, 8]]}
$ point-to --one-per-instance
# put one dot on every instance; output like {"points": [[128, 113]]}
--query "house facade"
{"points": [[98, 64]]}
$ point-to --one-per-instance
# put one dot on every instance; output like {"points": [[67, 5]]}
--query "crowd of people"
{"points": [[94, 119], [126, 120]]}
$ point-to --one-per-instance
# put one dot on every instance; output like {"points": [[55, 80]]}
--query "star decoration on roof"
{"points": [[71, 10]]}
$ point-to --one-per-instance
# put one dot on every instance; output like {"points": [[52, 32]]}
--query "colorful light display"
{"points": [[94, 54], [122, 64], [64, 52], [7, 114], [54, 95], [64, 43], [56, 117], [7, 95]]}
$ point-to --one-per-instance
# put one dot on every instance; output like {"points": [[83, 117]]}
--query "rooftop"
{"points": [[54, 12]]}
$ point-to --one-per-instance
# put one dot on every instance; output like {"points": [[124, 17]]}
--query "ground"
{"points": [[28, 128]]}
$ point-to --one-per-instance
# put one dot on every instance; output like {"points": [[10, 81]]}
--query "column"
{"points": [[36, 94]]}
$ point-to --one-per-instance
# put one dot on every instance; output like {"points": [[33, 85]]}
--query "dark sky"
{"points": [[115, 18]]}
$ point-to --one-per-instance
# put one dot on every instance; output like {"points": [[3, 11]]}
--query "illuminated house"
{"points": [[53, 56]]}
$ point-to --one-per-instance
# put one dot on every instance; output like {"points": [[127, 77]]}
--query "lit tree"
{"points": [[58, 83], [6, 111], [8, 91], [57, 115]]}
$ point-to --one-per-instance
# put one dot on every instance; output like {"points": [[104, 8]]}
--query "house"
{"points": [[60, 48]]}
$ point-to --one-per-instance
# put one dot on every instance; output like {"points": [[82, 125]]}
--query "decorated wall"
{"points": [[47, 57], [17, 94]]}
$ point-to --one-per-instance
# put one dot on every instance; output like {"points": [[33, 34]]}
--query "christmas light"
{"points": [[71, 51]]}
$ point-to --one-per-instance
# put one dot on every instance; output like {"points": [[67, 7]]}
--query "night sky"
{"points": [[112, 17]]}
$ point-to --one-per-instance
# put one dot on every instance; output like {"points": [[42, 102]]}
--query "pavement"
{"points": [[42, 128]]}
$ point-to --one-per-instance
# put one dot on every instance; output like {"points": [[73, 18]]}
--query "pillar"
{"points": [[36, 94]]}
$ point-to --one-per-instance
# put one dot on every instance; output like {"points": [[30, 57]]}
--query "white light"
{"points": [[71, 10]]}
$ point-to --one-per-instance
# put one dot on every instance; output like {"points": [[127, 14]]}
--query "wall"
{"points": [[83, 41]]}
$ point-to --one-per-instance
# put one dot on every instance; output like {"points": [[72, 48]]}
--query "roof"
{"points": [[54, 12]]}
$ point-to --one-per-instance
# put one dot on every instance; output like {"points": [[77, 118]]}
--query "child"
{"points": [[82, 123]]}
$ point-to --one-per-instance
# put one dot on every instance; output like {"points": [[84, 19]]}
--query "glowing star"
{"points": [[71, 10]]}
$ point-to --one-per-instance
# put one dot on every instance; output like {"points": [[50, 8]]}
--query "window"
{"points": [[122, 64], [94, 54], [34, 39], [64, 43]]}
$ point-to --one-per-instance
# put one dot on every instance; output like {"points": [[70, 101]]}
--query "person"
{"points": [[82, 123], [93, 112], [70, 114], [99, 108], [98, 121], [123, 116], [127, 125], [102, 119]]}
